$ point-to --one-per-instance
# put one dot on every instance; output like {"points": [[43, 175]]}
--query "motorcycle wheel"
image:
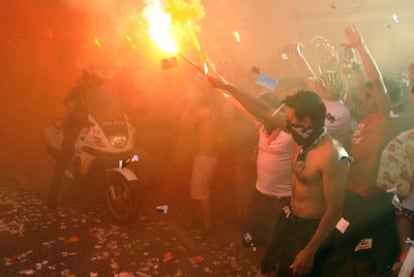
{"points": [[120, 195]]}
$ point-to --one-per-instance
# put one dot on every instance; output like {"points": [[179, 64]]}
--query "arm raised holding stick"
{"points": [[272, 117]]}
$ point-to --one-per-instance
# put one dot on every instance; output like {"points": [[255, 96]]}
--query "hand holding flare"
{"points": [[172, 22], [169, 23], [210, 71]]}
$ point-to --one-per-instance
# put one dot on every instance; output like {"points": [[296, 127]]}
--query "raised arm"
{"points": [[255, 106], [242, 110], [374, 75]]}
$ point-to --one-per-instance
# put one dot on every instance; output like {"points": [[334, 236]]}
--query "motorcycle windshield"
{"points": [[105, 107]]}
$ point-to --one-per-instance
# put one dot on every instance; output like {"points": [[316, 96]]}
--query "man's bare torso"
{"points": [[308, 197]]}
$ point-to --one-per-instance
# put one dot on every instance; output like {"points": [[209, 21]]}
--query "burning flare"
{"points": [[170, 21], [160, 27]]}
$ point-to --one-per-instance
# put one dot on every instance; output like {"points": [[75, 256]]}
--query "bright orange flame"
{"points": [[160, 28]]}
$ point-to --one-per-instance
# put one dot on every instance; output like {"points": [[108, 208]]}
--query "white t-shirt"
{"points": [[274, 163], [340, 126]]}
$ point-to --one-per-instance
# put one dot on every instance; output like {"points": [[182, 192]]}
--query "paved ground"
{"points": [[81, 238]]}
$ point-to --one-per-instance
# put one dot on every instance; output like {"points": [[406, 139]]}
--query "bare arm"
{"points": [[334, 177], [361, 82], [374, 75], [242, 110], [360, 93], [255, 106]]}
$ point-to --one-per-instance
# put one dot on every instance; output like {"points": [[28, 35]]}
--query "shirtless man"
{"points": [[318, 182]]}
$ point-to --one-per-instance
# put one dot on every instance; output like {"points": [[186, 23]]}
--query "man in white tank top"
{"points": [[274, 171], [273, 185]]}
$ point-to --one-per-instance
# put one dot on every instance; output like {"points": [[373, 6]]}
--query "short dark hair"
{"points": [[308, 103]]}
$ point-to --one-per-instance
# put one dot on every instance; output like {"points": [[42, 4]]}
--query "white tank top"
{"points": [[274, 163]]}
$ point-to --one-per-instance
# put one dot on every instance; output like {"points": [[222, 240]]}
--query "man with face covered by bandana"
{"points": [[300, 243]]}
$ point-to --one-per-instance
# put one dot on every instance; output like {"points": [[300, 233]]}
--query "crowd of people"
{"points": [[334, 165], [328, 209]]}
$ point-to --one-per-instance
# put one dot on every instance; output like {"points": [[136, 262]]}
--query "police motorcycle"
{"points": [[103, 151]]}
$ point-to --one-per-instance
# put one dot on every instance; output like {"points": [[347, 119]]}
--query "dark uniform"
{"points": [[75, 119]]}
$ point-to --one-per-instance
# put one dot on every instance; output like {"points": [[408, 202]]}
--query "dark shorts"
{"points": [[263, 215], [371, 218], [290, 236]]}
